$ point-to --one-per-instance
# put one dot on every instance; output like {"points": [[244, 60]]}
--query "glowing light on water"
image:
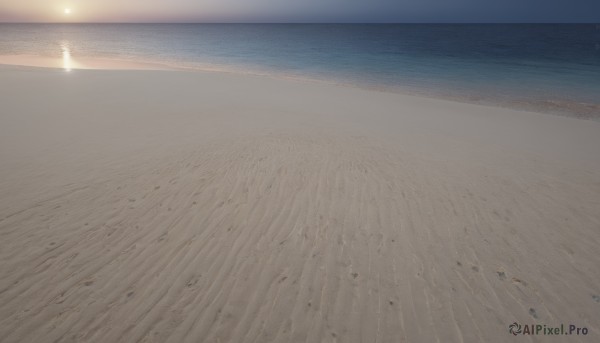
{"points": [[66, 56]]}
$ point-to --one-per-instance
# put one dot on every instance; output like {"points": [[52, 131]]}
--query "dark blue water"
{"points": [[548, 67]]}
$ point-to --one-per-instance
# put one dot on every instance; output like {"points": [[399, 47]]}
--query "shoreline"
{"points": [[579, 110]]}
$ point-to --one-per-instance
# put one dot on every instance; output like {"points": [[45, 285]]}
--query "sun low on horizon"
{"points": [[67, 13]]}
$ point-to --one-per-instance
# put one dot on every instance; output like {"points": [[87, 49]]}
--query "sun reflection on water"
{"points": [[66, 56]]}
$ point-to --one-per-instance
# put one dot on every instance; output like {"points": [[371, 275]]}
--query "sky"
{"points": [[371, 11]]}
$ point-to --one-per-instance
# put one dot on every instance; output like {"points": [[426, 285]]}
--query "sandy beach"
{"points": [[174, 206]]}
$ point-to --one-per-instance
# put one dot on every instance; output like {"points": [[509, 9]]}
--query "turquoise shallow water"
{"points": [[543, 67]]}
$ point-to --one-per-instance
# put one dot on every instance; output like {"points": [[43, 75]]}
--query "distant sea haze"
{"points": [[541, 67]]}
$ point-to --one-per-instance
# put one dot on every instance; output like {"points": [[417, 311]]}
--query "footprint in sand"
{"points": [[533, 313], [518, 281], [193, 281], [501, 275]]}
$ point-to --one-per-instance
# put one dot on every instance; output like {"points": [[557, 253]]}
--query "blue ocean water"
{"points": [[543, 67]]}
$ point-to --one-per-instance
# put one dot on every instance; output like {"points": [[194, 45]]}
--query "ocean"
{"points": [[541, 67]]}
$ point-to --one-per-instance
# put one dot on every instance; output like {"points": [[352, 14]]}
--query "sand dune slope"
{"points": [[182, 207]]}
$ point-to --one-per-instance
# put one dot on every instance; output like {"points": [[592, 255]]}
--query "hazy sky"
{"points": [[300, 10]]}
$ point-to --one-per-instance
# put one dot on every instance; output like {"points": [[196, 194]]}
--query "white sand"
{"points": [[205, 207]]}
